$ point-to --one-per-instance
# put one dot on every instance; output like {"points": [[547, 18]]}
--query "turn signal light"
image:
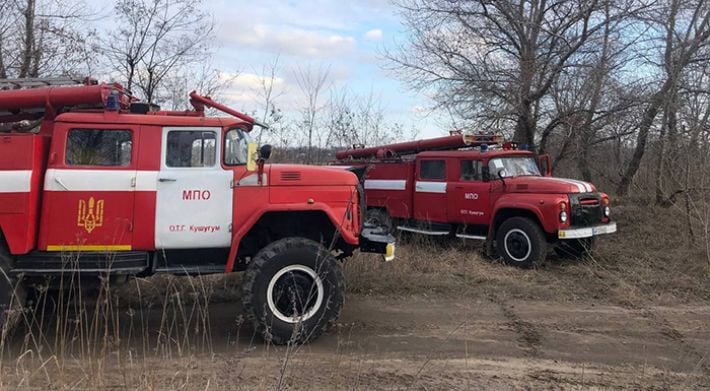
{"points": [[563, 205], [605, 201]]}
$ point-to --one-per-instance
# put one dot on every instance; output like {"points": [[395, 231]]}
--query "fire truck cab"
{"points": [[463, 186], [95, 183]]}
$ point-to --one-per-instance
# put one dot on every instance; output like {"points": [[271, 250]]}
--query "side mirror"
{"points": [[251, 157], [545, 164], [502, 173], [265, 152]]}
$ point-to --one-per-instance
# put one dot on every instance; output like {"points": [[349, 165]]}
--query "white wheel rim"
{"points": [[527, 238], [319, 291]]}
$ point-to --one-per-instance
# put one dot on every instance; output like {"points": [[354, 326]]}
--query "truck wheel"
{"points": [[379, 218], [574, 248], [520, 242], [12, 294], [293, 291]]}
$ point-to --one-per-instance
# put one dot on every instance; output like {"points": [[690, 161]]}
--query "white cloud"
{"points": [[374, 35], [279, 39]]}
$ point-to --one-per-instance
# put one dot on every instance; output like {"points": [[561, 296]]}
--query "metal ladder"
{"points": [[16, 84]]}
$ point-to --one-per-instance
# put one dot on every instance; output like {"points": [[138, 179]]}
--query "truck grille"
{"points": [[586, 209]]}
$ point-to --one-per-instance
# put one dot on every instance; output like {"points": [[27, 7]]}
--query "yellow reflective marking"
{"points": [[100, 247]]}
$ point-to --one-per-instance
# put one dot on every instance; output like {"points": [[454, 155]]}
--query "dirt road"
{"points": [[434, 343], [410, 342]]}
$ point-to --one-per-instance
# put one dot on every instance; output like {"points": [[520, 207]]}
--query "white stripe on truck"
{"points": [[15, 181], [100, 180], [430, 187], [385, 184]]}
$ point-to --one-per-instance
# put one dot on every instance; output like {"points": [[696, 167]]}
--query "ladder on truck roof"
{"points": [[35, 82]]}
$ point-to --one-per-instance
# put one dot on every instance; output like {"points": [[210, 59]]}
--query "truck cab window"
{"points": [[432, 169], [99, 147], [470, 170], [512, 166], [236, 143], [191, 149]]}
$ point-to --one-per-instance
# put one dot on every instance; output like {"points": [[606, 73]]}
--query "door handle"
{"points": [[167, 180], [60, 183]]}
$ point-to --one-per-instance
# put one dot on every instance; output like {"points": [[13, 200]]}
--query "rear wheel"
{"points": [[521, 242], [574, 248], [12, 294], [293, 291]]}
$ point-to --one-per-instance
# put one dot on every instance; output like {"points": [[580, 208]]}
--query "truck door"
{"points": [[89, 189], [471, 195], [194, 200], [430, 200]]}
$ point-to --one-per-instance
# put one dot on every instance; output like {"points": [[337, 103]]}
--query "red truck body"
{"points": [[449, 186]]}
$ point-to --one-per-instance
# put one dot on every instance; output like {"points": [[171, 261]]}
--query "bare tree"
{"points": [[497, 60], [311, 83], [155, 37], [205, 79], [39, 37], [686, 28], [353, 119]]}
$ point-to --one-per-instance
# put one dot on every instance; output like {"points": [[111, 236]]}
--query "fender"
{"points": [[539, 205], [348, 236]]}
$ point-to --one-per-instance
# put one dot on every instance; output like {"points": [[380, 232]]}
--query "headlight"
{"points": [[563, 216], [607, 211]]}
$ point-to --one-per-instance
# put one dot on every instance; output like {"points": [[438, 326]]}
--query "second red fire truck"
{"points": [[478, 187]]}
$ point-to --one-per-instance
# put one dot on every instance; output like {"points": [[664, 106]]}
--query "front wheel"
{"points": [[521, 242], [293, 291]]}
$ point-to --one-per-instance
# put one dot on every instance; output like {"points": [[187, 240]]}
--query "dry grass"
{"points": [[157, 333], [649, 258]]}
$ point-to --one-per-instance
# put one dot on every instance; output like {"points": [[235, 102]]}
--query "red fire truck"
{"points": [[478, 187], [96, 183]]}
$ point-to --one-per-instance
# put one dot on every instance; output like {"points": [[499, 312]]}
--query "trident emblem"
{"points": [[90, 214]]}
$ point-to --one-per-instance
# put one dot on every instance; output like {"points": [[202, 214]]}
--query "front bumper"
{"points": [[587, 232], [377, 240]]}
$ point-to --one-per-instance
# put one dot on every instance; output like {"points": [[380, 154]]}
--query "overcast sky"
{"points": [[347, 36]]}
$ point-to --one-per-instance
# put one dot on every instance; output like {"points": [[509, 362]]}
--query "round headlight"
{"points": [[607, 211], [563, 216]]}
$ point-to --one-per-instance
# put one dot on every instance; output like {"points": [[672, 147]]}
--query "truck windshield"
{"points": [[513, 166], [236, 142]]}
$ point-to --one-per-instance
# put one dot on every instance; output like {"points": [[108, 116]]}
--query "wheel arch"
{"points": [[271, 225], [505, 213]]}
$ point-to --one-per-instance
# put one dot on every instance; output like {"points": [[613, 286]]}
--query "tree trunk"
{"points": [[3, 71], [649, 115], [29, 39]]}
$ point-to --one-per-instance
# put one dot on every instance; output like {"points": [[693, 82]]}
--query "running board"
{"points": [[473, 237], [421, 231], [42, 263], [191, 270]]}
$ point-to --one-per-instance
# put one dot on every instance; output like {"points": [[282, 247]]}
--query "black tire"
{"points": [[379, 218], [574, 248], [305, 309], [12, 293], [521, 242]]}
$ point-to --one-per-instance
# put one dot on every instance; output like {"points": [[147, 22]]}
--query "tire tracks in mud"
{"points": [[671, 333], [662, 324], [528, 336]]}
